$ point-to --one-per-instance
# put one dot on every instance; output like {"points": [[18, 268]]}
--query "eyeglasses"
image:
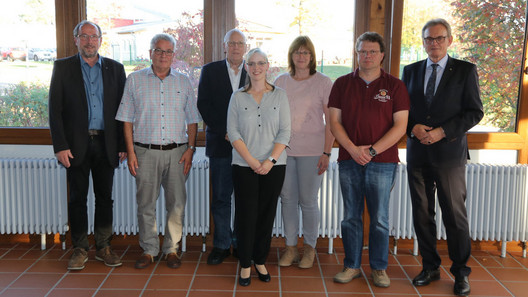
{"points": [[85, 37], [159, 52], [439, 39], [260, 63], [299, 53], [236, 43], [370, 53]]}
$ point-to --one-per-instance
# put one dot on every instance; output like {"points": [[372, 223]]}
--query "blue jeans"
{"points": [[222, 187], [374, 182]]}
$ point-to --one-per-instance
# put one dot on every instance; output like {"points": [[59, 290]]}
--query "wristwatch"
{"points": [[372, 152], [272, 160], [192, 148], [328, 154]]}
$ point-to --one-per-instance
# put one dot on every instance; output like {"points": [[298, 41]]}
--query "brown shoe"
{"points": [[144, 261], [173, 260], [77, 260], [108, 256]]}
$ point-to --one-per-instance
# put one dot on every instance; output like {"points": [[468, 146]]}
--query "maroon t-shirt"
{"points": [[367, 110]]}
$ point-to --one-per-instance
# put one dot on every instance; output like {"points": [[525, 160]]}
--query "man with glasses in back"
{"points": [[445, 104], [85, 92], [160, 126], [368, 116], [217, 82]]}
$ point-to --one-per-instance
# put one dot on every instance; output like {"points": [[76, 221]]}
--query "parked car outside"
{"points": [[42, 54], [13, 53]]}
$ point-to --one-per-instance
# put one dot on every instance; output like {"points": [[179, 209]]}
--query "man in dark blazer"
{"points": [[85, 93], [445, 104], [218, 81]]}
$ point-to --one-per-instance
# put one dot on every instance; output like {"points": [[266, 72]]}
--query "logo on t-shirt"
{"points": [[382, 96]]}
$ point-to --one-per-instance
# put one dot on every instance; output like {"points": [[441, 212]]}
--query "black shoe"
{"points": [[244, 282], [263, 277], [426, 277], [217, 256], [462, 287]]}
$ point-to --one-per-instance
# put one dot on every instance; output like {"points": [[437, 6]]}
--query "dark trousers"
{"points": [[95, 161], [450, 183], [222, 187], [255, 208]]}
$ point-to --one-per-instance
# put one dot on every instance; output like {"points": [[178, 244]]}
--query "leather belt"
{"points": [[95, 132], [165, 147]]}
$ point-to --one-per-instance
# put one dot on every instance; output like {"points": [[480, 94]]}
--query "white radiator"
{"points": [[196, 217], [33, 197]]}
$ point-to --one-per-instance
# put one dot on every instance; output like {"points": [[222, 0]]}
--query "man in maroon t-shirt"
{"points": [[368, 115]]}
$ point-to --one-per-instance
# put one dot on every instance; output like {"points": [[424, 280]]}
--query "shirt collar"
{"points": [[442, 63], [172, 71], [83, 62], [239, 66], [355, 74]]}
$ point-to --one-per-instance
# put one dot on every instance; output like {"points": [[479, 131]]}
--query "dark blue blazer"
{"points": [[456, 107], [214, 93], [68, 108]]}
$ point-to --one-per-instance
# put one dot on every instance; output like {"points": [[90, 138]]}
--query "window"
{"points": [[272, 25], [489, 34], [27, 51]]}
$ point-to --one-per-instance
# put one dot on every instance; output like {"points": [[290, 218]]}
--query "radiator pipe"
{"points": [[395, 251], [330, 245], [42, 242], [62, 238], [415, 247], [524, 249], [503, 249], [204, 239]]}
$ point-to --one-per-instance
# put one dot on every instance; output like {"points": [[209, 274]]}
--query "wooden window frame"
{"points": [[384, 16]]}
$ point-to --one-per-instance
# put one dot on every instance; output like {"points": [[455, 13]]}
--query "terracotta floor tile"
{"points": [[294, 270], [117, 293], [488, 261], [408, 260], [358, 285], [37, 280], [325, 258], [518, 289], [80, 280], [301, 294], [398, 286], [302, 284], [14, 254], [128, 268], [71, 293], [257, 285], [7, 278], [24, 293], [510, 274], [486, 288], [130, 281], [170, 282], [439, 287], [94, 266], [479, 273], [226, 268], [171, 293], [257, 293], [187, 268], [53, 266]]}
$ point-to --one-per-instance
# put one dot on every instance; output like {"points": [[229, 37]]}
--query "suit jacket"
{"points": [[456, 107], [68, 108], [214, 93]]}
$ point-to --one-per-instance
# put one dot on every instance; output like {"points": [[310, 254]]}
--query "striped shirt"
{"points": [[159, 109]]}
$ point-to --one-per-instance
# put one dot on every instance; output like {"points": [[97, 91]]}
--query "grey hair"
{"points": [[230, 32], [435, 22], [77, 28], [162, 36]]}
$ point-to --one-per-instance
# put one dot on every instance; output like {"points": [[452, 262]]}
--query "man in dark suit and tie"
{"points": [[445, 104], [85, 93], [218, 81]]}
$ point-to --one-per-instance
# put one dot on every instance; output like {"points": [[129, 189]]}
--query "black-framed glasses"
{"points": [[85, 37], [159, 52], [439, 39]]}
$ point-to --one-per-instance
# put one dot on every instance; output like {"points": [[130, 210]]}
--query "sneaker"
{"points": [[380, 278], [108, 256], [78, 258], [308, 257], [347, 275], [291, 255]]}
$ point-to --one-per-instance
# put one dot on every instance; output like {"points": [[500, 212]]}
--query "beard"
{"points": [[88, 52]]}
